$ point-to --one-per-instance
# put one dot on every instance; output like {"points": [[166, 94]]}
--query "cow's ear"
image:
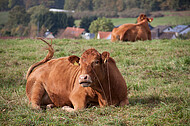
{"points": [[74, 60], [105, 56], [150, 19]]}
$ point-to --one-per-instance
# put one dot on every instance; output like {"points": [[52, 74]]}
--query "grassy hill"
{"points": [[157, 74], [4, 17], [168, 20]]}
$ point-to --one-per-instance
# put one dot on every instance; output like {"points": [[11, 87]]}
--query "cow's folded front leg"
{"points": [[78, 100]]}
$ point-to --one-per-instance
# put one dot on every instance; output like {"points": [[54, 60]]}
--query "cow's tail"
{"points": [[47, 58]]}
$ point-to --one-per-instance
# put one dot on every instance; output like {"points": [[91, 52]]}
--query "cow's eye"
{"points": [[96, 62]]}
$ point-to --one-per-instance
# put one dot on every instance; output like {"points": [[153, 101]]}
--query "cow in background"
{"points": [[133, 32], [73, 83]]}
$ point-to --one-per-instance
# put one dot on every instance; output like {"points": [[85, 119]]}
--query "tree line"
{"points": [[100, 5], [26, 17], [34, 22]]}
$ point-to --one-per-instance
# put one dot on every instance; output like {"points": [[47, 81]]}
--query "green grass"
{"points": [[168, 20], [119, 21], [4, 17], [171, 20], [157, 73]]}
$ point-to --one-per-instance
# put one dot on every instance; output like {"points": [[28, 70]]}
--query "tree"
{"points": [[53, 21], [101, 24], [70, 21], [84, 5], [47, 3], [35, 13], [4, 5], [59, 4], [30, 3], [120, 5], [86, 21], [71, 4], [18, 16], [13, 3]]}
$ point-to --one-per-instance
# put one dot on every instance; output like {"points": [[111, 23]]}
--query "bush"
{"points": [[5, 32], [184, 36], [86, 21], [101, 24], [20, 30]]}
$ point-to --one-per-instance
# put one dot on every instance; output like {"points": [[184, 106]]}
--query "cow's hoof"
{"points": [[49, 106], [36, 107], [67, 108]]}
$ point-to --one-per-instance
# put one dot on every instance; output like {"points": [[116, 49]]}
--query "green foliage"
{"points": [[36, 12], [31, 3], [4, 5], [101, 24], [100, 5], [71, 4], [50, 20], [70, 21], [55, 21], [18, 16], [13, 3], [86, 21], [84, 5], [156, 72]]}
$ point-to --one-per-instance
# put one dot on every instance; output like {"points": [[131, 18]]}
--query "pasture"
{"points": [[167, 20], [157, 74], [4, 17]]}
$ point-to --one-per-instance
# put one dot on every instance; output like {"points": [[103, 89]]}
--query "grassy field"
{"points": [[157, 73], [4, 17], [168, 20]]}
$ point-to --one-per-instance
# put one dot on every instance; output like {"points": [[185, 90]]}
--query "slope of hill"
{"points": [[157, 73]]}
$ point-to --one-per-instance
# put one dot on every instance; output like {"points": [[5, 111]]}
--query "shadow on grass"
{"points": [[154, 100]]}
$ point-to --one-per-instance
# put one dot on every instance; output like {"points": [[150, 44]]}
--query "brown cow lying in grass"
{"points": [[73, 83], [133, 32]]}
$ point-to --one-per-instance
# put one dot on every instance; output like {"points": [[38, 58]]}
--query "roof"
{"points": [[72, 32], [160, 27], [48, 34], [180, 28], [103, 35]]}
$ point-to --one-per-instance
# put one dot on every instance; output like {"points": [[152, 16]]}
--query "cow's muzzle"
{"points": [[85, 80]]}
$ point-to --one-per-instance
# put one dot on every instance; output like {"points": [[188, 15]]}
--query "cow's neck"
{"points": [[144, 24], [106, 89]]}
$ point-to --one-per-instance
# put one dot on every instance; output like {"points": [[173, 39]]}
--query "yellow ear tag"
{"points": [[150, 20], [105, 60], [75, 63]]}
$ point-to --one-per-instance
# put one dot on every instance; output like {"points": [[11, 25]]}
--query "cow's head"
{"points": [[92, 67], [143, 17]]}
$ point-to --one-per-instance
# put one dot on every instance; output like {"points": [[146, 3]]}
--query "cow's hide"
{"points": [[73, 83]]}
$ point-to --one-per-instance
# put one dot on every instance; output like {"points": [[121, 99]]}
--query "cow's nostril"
{"points": [[85, 77]]}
